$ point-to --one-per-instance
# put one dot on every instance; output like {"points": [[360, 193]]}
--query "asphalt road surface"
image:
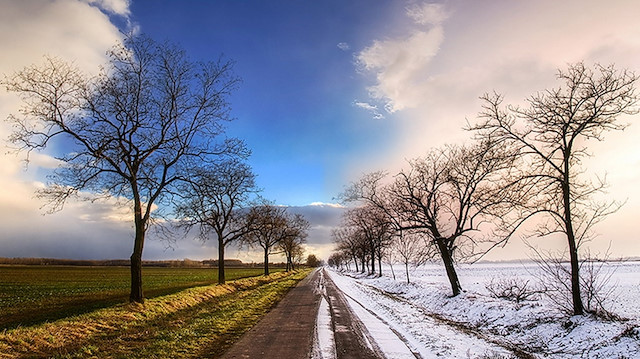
{"points": [[288, 330]]}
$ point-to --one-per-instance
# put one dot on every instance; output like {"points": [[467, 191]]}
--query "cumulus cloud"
{"points": [[400, 65], [80, 32]]}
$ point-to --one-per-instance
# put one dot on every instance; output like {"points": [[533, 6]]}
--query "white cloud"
{"points": [[322, 204], [365, 105], [344, 46], [72, 30], [400, 65], [79, 32], [373, 109], [427, 13], [117, 7]]}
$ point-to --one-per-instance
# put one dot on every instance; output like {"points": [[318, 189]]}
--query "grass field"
{"points": [[33, 294], [197, 322]]}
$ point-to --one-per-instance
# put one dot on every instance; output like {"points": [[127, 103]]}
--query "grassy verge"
{"points": [[34, 294], [194, 323]]}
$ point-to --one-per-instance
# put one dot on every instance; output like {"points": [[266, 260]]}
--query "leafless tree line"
{"points": [[524, 165], [220, 202]]}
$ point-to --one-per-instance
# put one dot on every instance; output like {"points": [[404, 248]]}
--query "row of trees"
{"points": [[220, 202], [525, 165], [149, 130]]}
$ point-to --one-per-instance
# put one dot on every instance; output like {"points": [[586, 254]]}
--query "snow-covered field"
{"points": [[477, 325]]}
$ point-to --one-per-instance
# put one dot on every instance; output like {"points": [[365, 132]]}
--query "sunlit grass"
{"points": [[196, 322], [32, 294]]}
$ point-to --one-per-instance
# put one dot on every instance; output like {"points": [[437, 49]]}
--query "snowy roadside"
{"points": [[340, 315], [480, 326], [423, 335]]}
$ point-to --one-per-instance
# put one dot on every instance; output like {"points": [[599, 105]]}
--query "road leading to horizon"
{"points": [[290, 330]]}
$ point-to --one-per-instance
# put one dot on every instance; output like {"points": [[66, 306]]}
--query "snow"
{"points": [[422, 334], [386, 340], [477, 325], [326, 346]]}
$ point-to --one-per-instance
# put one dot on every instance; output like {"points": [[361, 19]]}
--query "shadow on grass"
{"points": [[80, 305]]}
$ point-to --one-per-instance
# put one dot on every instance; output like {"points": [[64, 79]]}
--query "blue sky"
{"points": [[331, 90], [295, 107]]}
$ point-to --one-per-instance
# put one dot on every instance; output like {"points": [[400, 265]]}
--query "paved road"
{"points": [[288, 330]]}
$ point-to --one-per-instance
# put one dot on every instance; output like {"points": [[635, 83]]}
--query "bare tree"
{"points": [[447, 195], [351, 242], [135, 131], [271, 225], [295, 237], [213, 202], [374, 228], [268, 226], [411, 249], [313, 261], [338, 260], [550, 135]]}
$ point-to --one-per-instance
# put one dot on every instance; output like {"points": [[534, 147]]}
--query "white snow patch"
{"points": [[381, 333], [325, 346]]}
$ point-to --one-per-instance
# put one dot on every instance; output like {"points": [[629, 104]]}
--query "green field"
{"points": [[33, 294], [198, 322]]}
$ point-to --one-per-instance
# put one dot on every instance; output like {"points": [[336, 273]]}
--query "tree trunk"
{"points": [[373, 260], [392, 272], [406, 269], [136, 257], [379, 266], [355, 260], [578, 308], [448, 265], [221, 276], [266, 261]]}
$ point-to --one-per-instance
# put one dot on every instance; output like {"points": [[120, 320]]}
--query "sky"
{"points": [[330, 90]]}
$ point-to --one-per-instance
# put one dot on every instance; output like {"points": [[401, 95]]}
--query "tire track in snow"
{"points": [[359, 332], [424, 334]]}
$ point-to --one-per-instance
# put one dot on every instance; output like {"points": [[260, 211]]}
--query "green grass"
{"points": [[193, 323], [33, 294]]}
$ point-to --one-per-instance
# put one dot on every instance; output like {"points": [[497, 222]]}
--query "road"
{"points": [[290, 331], [287, 331]]}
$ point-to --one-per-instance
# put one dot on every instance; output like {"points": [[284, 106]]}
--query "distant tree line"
{"points": [[120, 262], [524, 165], [172, 263]]}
